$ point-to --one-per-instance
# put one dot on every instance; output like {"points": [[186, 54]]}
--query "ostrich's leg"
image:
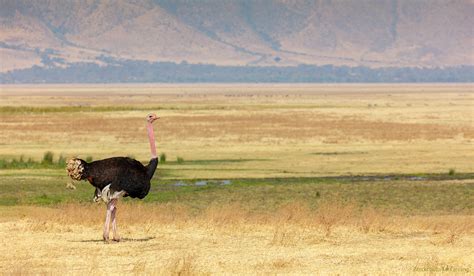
{"points": [[114, 221], [110, 208]]}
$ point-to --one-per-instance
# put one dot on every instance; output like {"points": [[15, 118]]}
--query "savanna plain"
{"points": [[253, 179]]}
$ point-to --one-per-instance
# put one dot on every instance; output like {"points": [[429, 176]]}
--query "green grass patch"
{"points": [[46, 163], [434, 195]]}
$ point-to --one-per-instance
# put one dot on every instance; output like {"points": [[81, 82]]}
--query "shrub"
{"points": [[61, 160], [89, 159], [48, 158], [23, 163], [180, 160], [163, 158], [452, 171]]}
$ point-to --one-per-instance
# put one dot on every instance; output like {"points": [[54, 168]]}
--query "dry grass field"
{"points": [[278, 131], [166, 239], [320, 179]]}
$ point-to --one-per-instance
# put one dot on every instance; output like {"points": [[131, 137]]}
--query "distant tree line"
{"points": [[131, 71]]}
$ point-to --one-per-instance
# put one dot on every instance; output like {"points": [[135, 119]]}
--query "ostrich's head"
{"points": [[75, 168], [151, 118]]}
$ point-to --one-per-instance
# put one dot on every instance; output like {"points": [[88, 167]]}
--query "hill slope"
{"points": [[281, 32]]}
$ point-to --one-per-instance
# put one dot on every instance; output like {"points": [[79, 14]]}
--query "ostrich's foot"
{"points": [[116, 239]]}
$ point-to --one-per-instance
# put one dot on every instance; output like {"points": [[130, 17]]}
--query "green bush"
{"points": [[163, 158], [22, 163], [180, 160], [452, 171], [61, 160], [48, 158]]}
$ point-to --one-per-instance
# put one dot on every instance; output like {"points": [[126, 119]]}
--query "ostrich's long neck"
{"points": [[151, 137]]}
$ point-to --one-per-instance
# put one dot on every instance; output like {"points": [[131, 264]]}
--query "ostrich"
{"points": [[117, 177]]}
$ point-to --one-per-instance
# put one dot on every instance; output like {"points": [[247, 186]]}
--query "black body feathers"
{"points": [[122, 173]]}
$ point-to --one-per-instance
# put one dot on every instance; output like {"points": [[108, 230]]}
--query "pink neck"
{"points": [[151, 137]]}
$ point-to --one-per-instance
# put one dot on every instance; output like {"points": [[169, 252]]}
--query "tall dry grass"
{"points": [[325, 219], [171, 239], [184, 266]]}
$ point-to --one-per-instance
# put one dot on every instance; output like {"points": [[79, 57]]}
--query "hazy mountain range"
{"points": [[378, 33]]}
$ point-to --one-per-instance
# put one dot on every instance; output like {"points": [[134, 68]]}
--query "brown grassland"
{"points": [[324, 179]]}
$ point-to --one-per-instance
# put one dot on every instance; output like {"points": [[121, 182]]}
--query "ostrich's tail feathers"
{"points": [[75, 168]]}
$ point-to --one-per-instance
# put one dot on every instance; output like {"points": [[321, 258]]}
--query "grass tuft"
{"points": [[163, 157], [48, 158], [184, 266], [46, 163], [62, 160]]}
